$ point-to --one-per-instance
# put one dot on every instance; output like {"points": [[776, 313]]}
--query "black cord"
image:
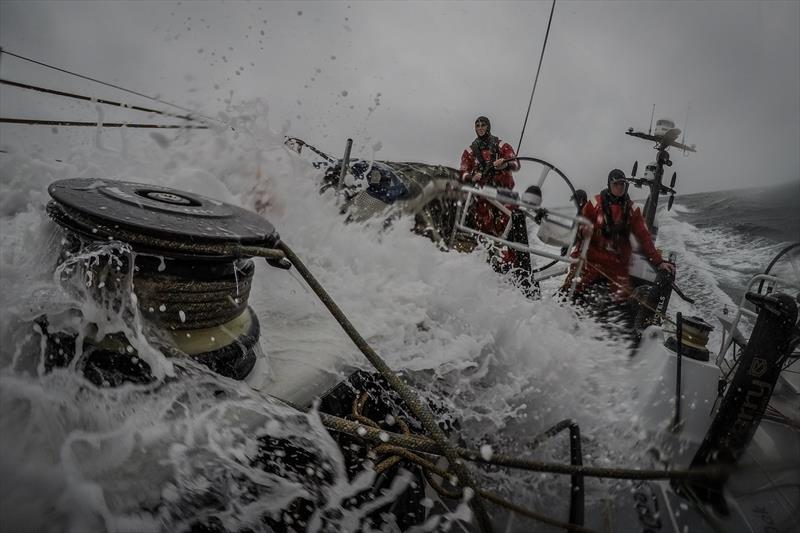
{"points": [[33, 122], [4, 51], [89, 99], [536, 79]]}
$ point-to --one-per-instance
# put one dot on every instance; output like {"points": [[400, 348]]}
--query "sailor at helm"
{"points": [[485, 162]]}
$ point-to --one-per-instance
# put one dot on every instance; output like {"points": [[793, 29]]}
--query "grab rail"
{"points": [[501, 200], [576, 500]]}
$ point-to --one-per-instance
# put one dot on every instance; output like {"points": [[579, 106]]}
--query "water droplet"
{"points": [[486, 452]]}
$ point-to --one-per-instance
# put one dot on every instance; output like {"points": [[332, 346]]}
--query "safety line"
{"points": [[536, 80], [34, 122], [90, 99], [95, 80]]}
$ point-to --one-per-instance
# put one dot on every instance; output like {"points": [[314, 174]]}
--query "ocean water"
{"points": [[144, 458], [759, 222], [724, 238]]}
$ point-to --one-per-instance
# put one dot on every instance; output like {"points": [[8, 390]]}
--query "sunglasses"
{"points": [[479, 124]]}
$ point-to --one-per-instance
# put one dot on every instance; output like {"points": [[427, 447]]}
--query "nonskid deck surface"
{"points": [[762, 495]]}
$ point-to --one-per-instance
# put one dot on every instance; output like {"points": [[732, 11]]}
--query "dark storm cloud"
{"points": [[409, 78]]}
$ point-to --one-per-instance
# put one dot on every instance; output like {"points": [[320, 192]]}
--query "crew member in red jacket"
{"points": [[486, 162], [615, 218]]}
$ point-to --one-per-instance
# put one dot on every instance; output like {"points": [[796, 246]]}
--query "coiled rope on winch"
{"points": [[204, 303]]}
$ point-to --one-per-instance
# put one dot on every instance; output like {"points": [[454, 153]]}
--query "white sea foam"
{"points": [[92, 459]]}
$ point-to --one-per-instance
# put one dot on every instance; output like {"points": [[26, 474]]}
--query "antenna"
{"points": [[652, 113], [685, 128]]}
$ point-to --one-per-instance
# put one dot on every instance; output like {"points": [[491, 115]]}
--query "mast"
{"points": [[655, 188], [665, 136]]}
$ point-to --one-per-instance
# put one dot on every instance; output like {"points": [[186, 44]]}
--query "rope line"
{"points": [[420, 410], [536, 79], [90, 99], [118, 87], [404, 445], [34, 122], [429, 467], [428, 446]]}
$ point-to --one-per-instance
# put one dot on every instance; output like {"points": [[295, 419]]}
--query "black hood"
{"points": [[488, 127]]}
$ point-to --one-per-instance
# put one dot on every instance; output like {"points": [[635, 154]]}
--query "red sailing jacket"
{"points": [[610, 255], [486, 218], [503, 178]]}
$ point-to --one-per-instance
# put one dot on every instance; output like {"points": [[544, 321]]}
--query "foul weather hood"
{"points": [[617, 175], [488, 124]]}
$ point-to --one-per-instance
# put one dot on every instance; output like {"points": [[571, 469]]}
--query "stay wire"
{"points": [[91, 99], [75, 123], [118, 87], [536, 79]]}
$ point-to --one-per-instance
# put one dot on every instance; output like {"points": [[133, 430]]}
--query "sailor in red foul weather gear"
{"points": [[615, 219], [485, 162], [604, 286]]}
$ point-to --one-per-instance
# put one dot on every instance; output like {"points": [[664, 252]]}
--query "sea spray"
{"points": [[506, 367]]}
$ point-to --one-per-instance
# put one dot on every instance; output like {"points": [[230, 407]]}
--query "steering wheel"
{"points": [[548, 170]]}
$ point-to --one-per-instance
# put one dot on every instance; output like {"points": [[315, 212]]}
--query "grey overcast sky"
{"points": [[410, 77]]}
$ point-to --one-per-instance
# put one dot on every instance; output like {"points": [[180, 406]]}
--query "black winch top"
{"points": [[155, 218]]}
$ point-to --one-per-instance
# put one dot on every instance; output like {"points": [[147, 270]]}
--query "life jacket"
{"points": [[486, 168], [612, 230]]}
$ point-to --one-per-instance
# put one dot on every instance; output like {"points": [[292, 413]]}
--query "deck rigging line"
{"points": [[536, 79], [90, 99], [404, 445], [34, 122], [417, 406], [118, 87]]}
